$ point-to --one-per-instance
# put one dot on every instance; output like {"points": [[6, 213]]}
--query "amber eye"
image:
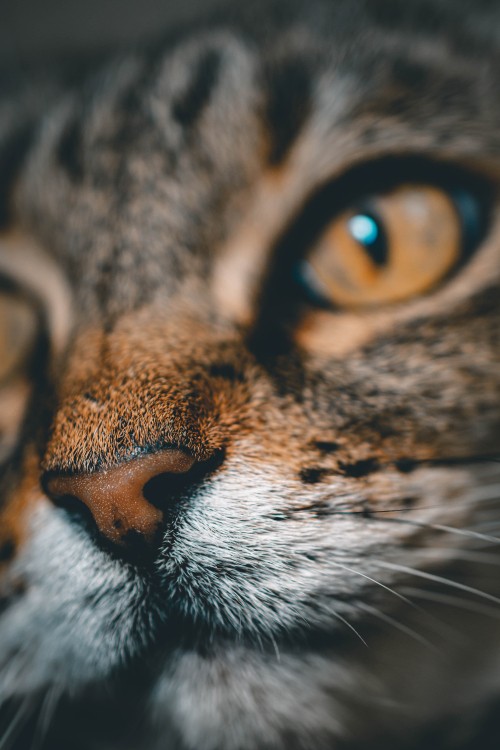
{"points": [[386, 249]]}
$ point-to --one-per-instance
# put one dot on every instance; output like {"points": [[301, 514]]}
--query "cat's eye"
{"points": [[389, 247], [18, 326]]}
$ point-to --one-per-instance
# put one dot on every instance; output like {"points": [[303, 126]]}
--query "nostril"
{"points": [[164, 489], [133, 501]]}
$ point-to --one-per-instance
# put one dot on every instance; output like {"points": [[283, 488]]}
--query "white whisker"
{"points": [[373, 580], [466, 555], [437, 579], [348, 624], [440, 527], [46, 713], [16, 723], [396, 624], [452, 601]]}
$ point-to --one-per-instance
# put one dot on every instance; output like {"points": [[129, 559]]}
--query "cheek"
{"points": [[23, 500], [14, 397], [78, 611]]}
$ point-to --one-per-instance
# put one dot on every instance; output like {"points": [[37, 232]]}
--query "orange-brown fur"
{"points": [[347, 460]]}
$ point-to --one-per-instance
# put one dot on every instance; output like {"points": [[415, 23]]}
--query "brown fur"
{"points": [[167, 192]]}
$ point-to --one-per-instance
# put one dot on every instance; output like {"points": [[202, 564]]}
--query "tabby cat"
{"points": [[250, 375]]}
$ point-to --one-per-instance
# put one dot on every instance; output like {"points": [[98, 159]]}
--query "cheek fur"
{"points": [[323, 574], [80, 613]]}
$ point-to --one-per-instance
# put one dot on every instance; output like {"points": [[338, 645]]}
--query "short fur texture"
{"points": [[331, 581]]}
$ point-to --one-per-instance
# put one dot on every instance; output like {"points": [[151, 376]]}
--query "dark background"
{"points": [[37, 28]]}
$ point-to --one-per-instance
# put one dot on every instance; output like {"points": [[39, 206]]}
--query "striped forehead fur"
{"points": [[346, 487]]}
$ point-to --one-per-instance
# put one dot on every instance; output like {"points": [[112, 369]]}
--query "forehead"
{"points": [[160, 158]]}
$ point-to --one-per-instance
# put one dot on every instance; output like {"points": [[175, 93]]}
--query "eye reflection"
{"points": [[366, 230], [398, 245]]}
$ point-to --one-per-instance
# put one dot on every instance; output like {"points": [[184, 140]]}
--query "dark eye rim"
{"points": [[474, 217], [284, 298], [470, 193]]}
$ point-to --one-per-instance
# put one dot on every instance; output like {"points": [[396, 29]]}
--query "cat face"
{"points": [[262, 424]]}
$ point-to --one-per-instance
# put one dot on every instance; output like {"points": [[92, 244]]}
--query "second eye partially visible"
{"points": [[18, 327]]}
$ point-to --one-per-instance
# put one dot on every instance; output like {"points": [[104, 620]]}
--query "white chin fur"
{"points": [[79, 616]]}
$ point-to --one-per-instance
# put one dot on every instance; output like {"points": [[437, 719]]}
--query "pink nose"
{"points": [[115, 497]]}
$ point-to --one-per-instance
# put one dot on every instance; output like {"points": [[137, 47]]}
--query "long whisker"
{"points": [[483, 493], [16, 723], [275, 647], [477, 495], [437, 579], [13, 667], [46, 713], [396, 624], [348, 624], [453, 601], [462, 554], [440, 527], [397, 594], [373, 580]]}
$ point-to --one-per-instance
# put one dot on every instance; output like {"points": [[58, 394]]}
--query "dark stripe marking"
{"points": [[12, 153], [326, 446], [7, 551], [406, 465], [227, 371], [412, 75], [69, 150], [288, 105], [313, 474], [188, 108], [360, 468]]}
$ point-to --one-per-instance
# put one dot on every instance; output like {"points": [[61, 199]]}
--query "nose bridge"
{"points": [[125, 394], [139, 422]]}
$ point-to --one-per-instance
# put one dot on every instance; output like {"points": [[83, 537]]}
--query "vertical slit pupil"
{"points": [[368, 231]]}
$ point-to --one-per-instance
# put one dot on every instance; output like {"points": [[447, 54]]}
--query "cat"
{"points": [[250, 373]]}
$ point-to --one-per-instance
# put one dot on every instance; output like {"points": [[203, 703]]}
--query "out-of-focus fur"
{"points": [[333, 582]]}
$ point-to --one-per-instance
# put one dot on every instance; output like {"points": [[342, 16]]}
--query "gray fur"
{"points": [[333, 584]]}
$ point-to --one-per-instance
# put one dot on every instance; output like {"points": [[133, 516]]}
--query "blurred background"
{"points": [[35, 28]]}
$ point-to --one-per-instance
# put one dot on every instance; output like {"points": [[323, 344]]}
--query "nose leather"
{"points": [[115, 496]]}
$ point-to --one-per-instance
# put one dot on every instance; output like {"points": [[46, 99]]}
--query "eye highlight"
{"points": [[388, 248], [368, 231]]}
